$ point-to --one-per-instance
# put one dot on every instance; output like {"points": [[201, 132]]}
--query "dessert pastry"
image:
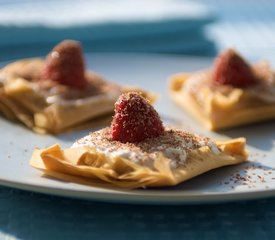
{"points": [[231, 94], [137, 151], [57, 94]]}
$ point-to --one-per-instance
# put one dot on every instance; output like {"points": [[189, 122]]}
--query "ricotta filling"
{"points": [[173, 144]]}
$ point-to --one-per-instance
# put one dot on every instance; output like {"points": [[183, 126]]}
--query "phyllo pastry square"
{"points": [[57, 94], [137, 151], [231, 94]]}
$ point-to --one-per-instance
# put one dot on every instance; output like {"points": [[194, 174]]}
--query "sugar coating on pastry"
{"points": [[49, 107], [167, 160], [58, 94], [164, 157], [220, 106], [173, 144]]}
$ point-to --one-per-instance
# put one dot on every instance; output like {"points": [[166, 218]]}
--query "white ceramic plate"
{"points": [[251, 180]]}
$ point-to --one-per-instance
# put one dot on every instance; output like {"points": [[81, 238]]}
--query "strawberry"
{"points": [[65, 65], [135, 119], [231, 69]]}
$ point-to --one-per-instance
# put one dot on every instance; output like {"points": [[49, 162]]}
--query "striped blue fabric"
{"points": [[147, 26]]}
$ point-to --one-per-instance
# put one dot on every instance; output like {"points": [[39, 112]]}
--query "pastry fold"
{"points": [[20, 100], [217, 110], [86, 165]]}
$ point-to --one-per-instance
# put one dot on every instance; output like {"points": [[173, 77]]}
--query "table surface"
{"points": [[27, 215]]}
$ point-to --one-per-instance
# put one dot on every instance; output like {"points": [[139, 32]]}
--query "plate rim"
{"points": [[150, 198]]}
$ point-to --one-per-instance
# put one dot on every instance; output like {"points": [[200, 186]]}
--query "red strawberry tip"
{"points": [[135, 119], [231, 69], [65, 65]]}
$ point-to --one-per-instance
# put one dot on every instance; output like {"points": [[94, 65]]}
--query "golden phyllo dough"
{"points": [[46, 106], [166, 160], [225, 106]]}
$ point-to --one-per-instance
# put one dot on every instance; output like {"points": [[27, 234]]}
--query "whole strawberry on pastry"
{"points": [[231, 69], [135, 119], [65, 74], [65, 65], [58, 93], [258, 80], [231, 93], [137, 150]]}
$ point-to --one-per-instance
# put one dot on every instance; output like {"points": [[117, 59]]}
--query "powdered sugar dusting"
{"points": [[173, 144], [199, 84]]}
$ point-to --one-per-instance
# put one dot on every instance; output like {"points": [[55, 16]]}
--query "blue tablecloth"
{"points": [[30, 28], [25, 215]]}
